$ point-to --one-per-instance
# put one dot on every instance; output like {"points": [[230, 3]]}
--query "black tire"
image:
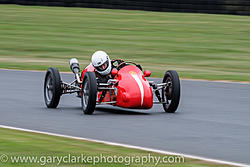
{"points": [[52, 88], [89, 93], [171, 93]]}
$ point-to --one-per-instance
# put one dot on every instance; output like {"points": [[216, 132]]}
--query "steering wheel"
{"points": [[124, 63]]}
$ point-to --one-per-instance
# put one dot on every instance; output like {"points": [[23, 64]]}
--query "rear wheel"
{"points": [[52, 88], [89, 93], [171, 94]]}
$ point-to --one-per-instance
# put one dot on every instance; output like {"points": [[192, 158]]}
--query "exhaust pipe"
{"points": [[74, 66]]}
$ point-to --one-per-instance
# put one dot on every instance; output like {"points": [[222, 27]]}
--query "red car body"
{"points": [[133, 90]]}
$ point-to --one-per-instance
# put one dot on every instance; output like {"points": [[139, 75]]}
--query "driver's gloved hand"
{"points": [[102, 80]]}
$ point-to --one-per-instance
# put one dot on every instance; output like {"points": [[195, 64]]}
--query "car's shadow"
{"points": [[106, 110], [102, 110]]}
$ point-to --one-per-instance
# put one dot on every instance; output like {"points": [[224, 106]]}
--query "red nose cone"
{"points": [[114, 72], [147, 73]]}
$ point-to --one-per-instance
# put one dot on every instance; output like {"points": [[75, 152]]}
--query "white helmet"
{"points": [[101, 62]]}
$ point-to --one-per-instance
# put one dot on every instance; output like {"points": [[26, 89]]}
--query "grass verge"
{"points": [[15, 143], [199, 46]]}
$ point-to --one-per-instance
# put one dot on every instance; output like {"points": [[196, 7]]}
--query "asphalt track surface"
{"points": [[212, 121]]}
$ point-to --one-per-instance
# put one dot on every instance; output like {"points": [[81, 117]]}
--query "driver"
{"points": [[103, 65]]}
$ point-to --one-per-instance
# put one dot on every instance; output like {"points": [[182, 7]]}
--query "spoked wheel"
{"points": [[171, 94], [52, 88], [88, 93]]}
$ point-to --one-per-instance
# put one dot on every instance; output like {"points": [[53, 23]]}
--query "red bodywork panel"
{"points": [[90, 67], [133, 90]]}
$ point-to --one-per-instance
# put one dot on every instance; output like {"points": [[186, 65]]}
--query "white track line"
{"points": [[130, 146], [184, 79]]}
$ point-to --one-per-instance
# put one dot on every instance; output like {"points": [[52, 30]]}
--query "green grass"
{"points": [[201, 46], [18, 143]]}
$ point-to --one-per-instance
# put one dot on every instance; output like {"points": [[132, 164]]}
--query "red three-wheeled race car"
{"points": [[128, 88]]}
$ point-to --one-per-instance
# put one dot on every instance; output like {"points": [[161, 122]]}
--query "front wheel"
{"points": [[89, 93], [52, 88], [171, 93]]}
